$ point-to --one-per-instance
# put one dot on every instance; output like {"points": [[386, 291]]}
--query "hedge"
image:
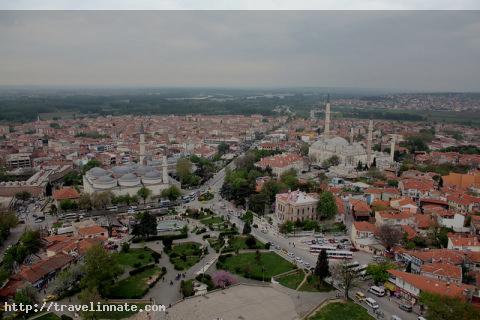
{"points": [[161, 237], [141, 269]]}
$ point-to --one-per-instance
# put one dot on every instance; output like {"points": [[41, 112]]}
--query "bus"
{"points": [[316, 248], [352, 265], [339, 254]]}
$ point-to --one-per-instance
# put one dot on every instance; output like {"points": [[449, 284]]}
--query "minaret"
{"points": [[327, 118], [369, 142], [142, 145], [392, 148], [351, 135], [165, 170]]}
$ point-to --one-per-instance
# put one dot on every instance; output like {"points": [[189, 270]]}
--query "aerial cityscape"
{"points": [[180, 178]]}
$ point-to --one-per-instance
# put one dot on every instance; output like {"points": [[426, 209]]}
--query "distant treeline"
{"points": [[377, 114], [26, 109]]}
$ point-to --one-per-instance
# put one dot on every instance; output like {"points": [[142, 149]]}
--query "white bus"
{"points": [[316, 248], [339, 254], [332, 252]]}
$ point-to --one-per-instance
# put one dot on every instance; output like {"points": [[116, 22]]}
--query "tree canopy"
{"points": [[326, 207]]}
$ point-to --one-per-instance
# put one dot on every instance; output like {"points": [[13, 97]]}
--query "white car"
{"points": [[299, 260], [291, 255]]}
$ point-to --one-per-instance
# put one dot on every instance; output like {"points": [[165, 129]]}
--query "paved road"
{"points": [[388, 306]]}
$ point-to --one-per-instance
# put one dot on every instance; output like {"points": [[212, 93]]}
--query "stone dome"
{"points": [[96, 172], [105, 182], [129, 180], [142, 170], [121, 170], [152, 177]]}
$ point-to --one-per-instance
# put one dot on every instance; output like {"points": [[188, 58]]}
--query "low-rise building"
{"points": [[296, 205], [281, 163], [409, 286]]}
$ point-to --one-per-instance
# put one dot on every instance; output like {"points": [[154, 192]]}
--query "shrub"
{"points": [[139, 269], [187, 288]]}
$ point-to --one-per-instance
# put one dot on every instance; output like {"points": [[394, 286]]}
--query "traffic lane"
{"points": [[387, 305]]}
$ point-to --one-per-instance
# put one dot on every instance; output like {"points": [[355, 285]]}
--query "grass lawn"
{"points": [[215, 244], [292, 280], [136, 286], [248, 266], [238, 242], [185, 255], [311, 285], [135, 257], [342, 311], [48, 316]]}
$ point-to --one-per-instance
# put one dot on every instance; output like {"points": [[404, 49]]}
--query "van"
{"points": [[371, 303], [360, 296], [377, 291]]}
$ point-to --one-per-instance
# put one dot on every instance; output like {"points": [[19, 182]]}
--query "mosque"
{"points": [[350, 153], [129, 178]]}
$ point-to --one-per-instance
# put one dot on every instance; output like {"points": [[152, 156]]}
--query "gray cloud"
{"points": [[422, 50]]}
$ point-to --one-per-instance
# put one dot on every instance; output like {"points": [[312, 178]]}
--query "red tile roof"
{"points": [[41, 268], [364, 226], [65, 193], [92, 230], [443, 269], [428, 284]]}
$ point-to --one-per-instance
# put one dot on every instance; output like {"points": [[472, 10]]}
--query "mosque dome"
{"points": [[105, 182], [129, 180], [152, 177]]}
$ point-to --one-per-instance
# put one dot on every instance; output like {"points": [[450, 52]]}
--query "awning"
{"points": [[390, 286]]}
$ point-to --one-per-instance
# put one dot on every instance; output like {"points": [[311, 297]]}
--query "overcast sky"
{"points": [[419, 50], [240, 4]]}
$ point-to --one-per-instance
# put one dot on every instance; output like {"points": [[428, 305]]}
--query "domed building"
{"points": [[129, 180], [349, 153], [105, 182]]}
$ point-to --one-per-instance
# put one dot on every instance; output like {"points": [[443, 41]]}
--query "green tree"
{"points": [[223, 148], [322, 269], [100, 269], [23, 195], [331, 162], [347, 277], [144, 193], [146, 225], [440, 307], [326, 207], [246, 228], [172, 193], [91, 164], [184, 168], [26, 295], [85, 201], [102, 199], [68, 204], [379, 271], [251, 242]]}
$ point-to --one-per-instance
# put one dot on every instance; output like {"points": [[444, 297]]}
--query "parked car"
{"points": [[371, 303], [360, 296], [406, 307]]}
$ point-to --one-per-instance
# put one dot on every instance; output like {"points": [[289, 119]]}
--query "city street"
{"points": [[389, 306]]}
